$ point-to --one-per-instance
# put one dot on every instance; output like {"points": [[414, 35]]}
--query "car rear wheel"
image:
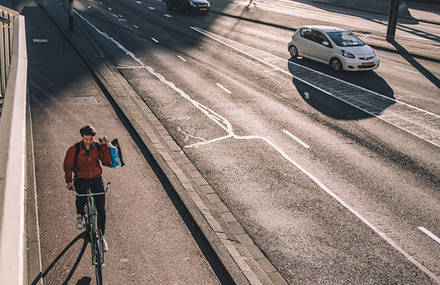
{"points": [[335, 64], [293, 51]]}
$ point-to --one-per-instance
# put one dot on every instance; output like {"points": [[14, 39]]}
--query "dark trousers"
{"points": [[96, 186]]}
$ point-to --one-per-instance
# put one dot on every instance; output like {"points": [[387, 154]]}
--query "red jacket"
{"points": [[88, 165]]}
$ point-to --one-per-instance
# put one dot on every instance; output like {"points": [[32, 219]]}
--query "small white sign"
{"points": [[86, 100], [40, 40]]}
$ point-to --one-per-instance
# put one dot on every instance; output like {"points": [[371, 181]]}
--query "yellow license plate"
{"points": [[368, 64], [203, 9]]}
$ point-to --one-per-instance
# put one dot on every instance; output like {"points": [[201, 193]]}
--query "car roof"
{"points": [[323, 28]]}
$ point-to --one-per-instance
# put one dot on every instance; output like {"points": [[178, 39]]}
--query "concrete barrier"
{"points": [[377, 6], [12, 162]]}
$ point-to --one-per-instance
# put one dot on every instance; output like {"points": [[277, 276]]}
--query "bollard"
{"points": [[70, 15]]}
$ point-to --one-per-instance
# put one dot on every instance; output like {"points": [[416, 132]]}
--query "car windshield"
{"points": [[345, 39]]}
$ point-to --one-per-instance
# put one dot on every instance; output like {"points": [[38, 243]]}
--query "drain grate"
{"points": [[86, 100]]}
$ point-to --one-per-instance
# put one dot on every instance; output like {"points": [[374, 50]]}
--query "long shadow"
{"points": [[51, 267], [333, 105], [431, 77]]}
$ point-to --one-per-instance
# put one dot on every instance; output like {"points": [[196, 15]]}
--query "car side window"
{"points": [[306, 33], [319, 38]]}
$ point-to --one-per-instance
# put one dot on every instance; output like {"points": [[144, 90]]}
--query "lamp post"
{"points": [[392, 20]]}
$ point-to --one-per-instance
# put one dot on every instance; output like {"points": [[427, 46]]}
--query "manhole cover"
{"points": [[86, 100]]}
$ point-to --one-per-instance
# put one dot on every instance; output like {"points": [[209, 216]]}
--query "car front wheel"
{"points": [[335, 64], [293, 51]]}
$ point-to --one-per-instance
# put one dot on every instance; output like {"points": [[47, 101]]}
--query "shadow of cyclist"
{"points": [[57, 262]]}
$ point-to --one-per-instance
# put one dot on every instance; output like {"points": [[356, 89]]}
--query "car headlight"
{"points": [[347, 54], [192, 4]]}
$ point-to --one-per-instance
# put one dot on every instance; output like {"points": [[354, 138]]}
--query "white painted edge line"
{"points": [[297, 139], [406, 69], [322, 90], [315, 71], [431, 235], [168, 15], [154, 40], [181, 58], [151, 8], [228, 127], [222, 87], [129, 67], [327, 190]]}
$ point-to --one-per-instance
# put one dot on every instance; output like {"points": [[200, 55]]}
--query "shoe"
{"points": [[104, 245], [79, 221]]}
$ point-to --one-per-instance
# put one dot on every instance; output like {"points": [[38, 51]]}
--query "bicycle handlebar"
{"points": [[107, 187]]}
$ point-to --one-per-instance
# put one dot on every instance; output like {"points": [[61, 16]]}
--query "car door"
{"points": [[303, 40], [320, 47]]}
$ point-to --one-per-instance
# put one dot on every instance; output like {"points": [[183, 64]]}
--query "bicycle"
{"points": [[90, 218]]}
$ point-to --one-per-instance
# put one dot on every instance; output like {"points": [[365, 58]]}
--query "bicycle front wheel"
{"points": [[99, 256]]}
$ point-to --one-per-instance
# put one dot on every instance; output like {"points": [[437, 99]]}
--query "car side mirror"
{"points": [[326, 43]]}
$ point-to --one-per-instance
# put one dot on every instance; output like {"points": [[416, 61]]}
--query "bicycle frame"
{"points": [[94, 234]]}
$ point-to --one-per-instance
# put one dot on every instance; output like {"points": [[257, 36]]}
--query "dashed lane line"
{"points": [[154, 40], [431, 235], [297, 139], [224, 88], [181, 58]]}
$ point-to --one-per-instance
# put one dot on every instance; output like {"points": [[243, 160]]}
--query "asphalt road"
{"points": [[337, 184]]}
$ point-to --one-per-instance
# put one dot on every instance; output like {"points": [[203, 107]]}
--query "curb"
{"points": [[235, 250]]}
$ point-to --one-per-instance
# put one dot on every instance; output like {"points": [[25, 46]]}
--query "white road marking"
{"points": [[406, 69], [136, 26], [222, 87], [297, 139], [422, 123], [168, 15], [139, 2], [226, 125], [114, 15], [181, 58], [129, 67], [110, 8], [40, 40], [151, 8], [154, 40], [431, 235]]}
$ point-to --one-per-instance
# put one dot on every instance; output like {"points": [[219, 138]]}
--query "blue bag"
{"points": [[116, 160]]}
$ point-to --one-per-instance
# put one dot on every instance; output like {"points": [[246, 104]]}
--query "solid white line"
{"points": [[222, 87], [227, 126], [297, 139], [181, 58], [151, 8], [168, 15], [431, 235], [154, 40], [406, 69], [129, 67]]}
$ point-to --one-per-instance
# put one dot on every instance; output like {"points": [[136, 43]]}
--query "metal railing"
{"points": [[12, 146], [7, 18]]}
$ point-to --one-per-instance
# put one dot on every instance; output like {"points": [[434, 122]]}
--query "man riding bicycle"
{"points": [[84, 161]]}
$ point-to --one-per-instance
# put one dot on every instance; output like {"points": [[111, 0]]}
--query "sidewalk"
{"points": [[148, 240]]}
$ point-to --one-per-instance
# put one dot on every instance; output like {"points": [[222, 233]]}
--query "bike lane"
{"points": [[148, 240]]}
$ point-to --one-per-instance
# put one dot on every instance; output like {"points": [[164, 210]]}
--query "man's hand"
{"points": [[69, 186]]}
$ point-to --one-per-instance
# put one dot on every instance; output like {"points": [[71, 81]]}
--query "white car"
{"points": [[339, 48]]}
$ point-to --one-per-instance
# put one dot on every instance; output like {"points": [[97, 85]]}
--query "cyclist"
{"points": [[86, 167]]}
